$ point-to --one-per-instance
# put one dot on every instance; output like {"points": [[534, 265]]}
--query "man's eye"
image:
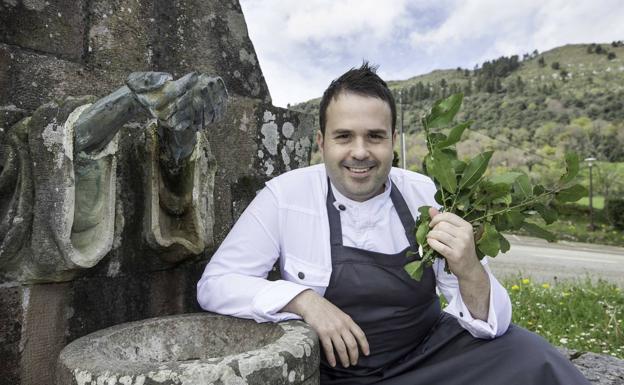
{"points": [[376, 136], [342, 136]]}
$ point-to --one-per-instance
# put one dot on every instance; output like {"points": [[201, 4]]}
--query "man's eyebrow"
{"points": [[378, 131], [341, 131]]}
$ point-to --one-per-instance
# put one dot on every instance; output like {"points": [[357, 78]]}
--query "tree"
{"points": [[541, 62], [555, 65], [611, 55]]}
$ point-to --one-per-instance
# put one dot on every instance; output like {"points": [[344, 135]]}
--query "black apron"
{"points": [[411, 340]]}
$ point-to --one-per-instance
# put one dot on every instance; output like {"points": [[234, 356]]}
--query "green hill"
{"points": [[571, 98]]}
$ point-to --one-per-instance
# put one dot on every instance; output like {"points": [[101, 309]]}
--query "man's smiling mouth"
{"points": [[359, 170]]}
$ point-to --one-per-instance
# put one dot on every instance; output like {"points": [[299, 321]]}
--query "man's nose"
{"points": [[360, 149]]}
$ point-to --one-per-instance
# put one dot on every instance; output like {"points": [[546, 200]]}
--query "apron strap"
{"points": [[335, 226], [404, 215]]}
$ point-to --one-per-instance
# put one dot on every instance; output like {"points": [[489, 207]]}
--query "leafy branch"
{"points": [[490, 204]]}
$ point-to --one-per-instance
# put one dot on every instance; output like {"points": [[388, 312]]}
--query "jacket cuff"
{"points": [[497, 321], [268, 302]]}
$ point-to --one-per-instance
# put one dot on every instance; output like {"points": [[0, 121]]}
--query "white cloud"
{"points": [[493, 28], [303, 45]]}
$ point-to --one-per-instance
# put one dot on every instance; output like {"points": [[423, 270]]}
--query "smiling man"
{"points": [[342, 231]]}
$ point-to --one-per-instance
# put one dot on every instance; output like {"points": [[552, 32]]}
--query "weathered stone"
{"points": [[52, 27], [253, 130], [179, 218], [43, 334], [193, 349], [119, 36], [36, 79], [9, 115], [209, 37], [599, 369], [11, 325]]}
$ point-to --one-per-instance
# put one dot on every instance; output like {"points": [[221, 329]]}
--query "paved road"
{"points": [[546, 262]]}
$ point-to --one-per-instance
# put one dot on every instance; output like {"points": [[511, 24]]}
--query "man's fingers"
{"points": [[352, 347], [451, 218], [329, 350], [361, 339], [341, 349]]}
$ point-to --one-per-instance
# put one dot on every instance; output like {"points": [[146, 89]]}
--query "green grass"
{"points": [[578, 315], [582, 315], [597, 202]]}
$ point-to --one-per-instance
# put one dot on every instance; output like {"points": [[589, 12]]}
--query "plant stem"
{"points": [[525, 203]]}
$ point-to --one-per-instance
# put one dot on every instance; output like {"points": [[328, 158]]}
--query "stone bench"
{"points": [[599, 369]]}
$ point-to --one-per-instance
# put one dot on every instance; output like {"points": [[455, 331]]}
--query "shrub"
{"points": [[614, 208]]}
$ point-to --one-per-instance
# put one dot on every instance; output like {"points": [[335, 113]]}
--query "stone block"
{"points": [[119, 37], [36, 79], [54, 27], [209, 37], [267, 141], [11, 324]]}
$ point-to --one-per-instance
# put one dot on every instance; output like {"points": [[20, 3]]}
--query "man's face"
{"points": [[357, 147]]}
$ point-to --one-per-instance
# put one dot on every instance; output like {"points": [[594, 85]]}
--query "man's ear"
{"points": [[319, 140], [394, 137]]}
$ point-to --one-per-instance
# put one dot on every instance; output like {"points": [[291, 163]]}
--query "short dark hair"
{"points": [[362, 81]]}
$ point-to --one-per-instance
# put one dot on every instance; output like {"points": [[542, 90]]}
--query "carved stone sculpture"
{"points": [[58, 175]]}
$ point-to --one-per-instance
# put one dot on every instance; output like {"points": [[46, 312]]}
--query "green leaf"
{"points": [[489, 243], [424, 213], [504, 243], [522, 187], [414, 269], [546, 212], [421, 233], [435, 138], [443, 111], [439, 166], [459, 166], [454, 135], [538, 189], [507, 178], [539, 232], [475, 169], [572, 167], [514, 218], [571, 194], [505, 199]]}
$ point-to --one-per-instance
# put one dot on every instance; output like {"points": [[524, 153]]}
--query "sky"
{"points": [[302, 45]]}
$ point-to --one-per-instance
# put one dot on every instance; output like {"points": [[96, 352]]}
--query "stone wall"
{"points": [[55, 49]]}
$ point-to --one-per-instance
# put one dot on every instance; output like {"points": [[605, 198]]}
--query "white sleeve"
{"points": [[499, 313], [234, 281]]}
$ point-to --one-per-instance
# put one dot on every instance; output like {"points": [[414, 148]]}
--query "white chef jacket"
{"points": [[288, 220]]}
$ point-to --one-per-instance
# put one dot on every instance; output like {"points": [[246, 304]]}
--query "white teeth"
{"points": [[359, 170]]}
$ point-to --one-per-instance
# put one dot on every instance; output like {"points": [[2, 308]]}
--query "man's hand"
{"points": [[452, 237], [336, 330], [191, 102]]}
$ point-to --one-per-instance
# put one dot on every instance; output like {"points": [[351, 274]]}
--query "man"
{"points": [[341, 231]]}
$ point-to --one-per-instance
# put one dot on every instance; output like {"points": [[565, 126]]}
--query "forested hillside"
{"points": [[531, 109]]}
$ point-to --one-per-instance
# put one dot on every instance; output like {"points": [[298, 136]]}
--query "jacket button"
{"points": [[342, 207], [301, 275], [460, 313]]}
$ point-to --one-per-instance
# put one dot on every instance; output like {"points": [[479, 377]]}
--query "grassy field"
{"points": [[581, 315], [597, 202]]}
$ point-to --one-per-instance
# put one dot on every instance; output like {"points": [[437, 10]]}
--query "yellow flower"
{"points": [[515, 287], [565, 294], [525, 281], [545, 285]]}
